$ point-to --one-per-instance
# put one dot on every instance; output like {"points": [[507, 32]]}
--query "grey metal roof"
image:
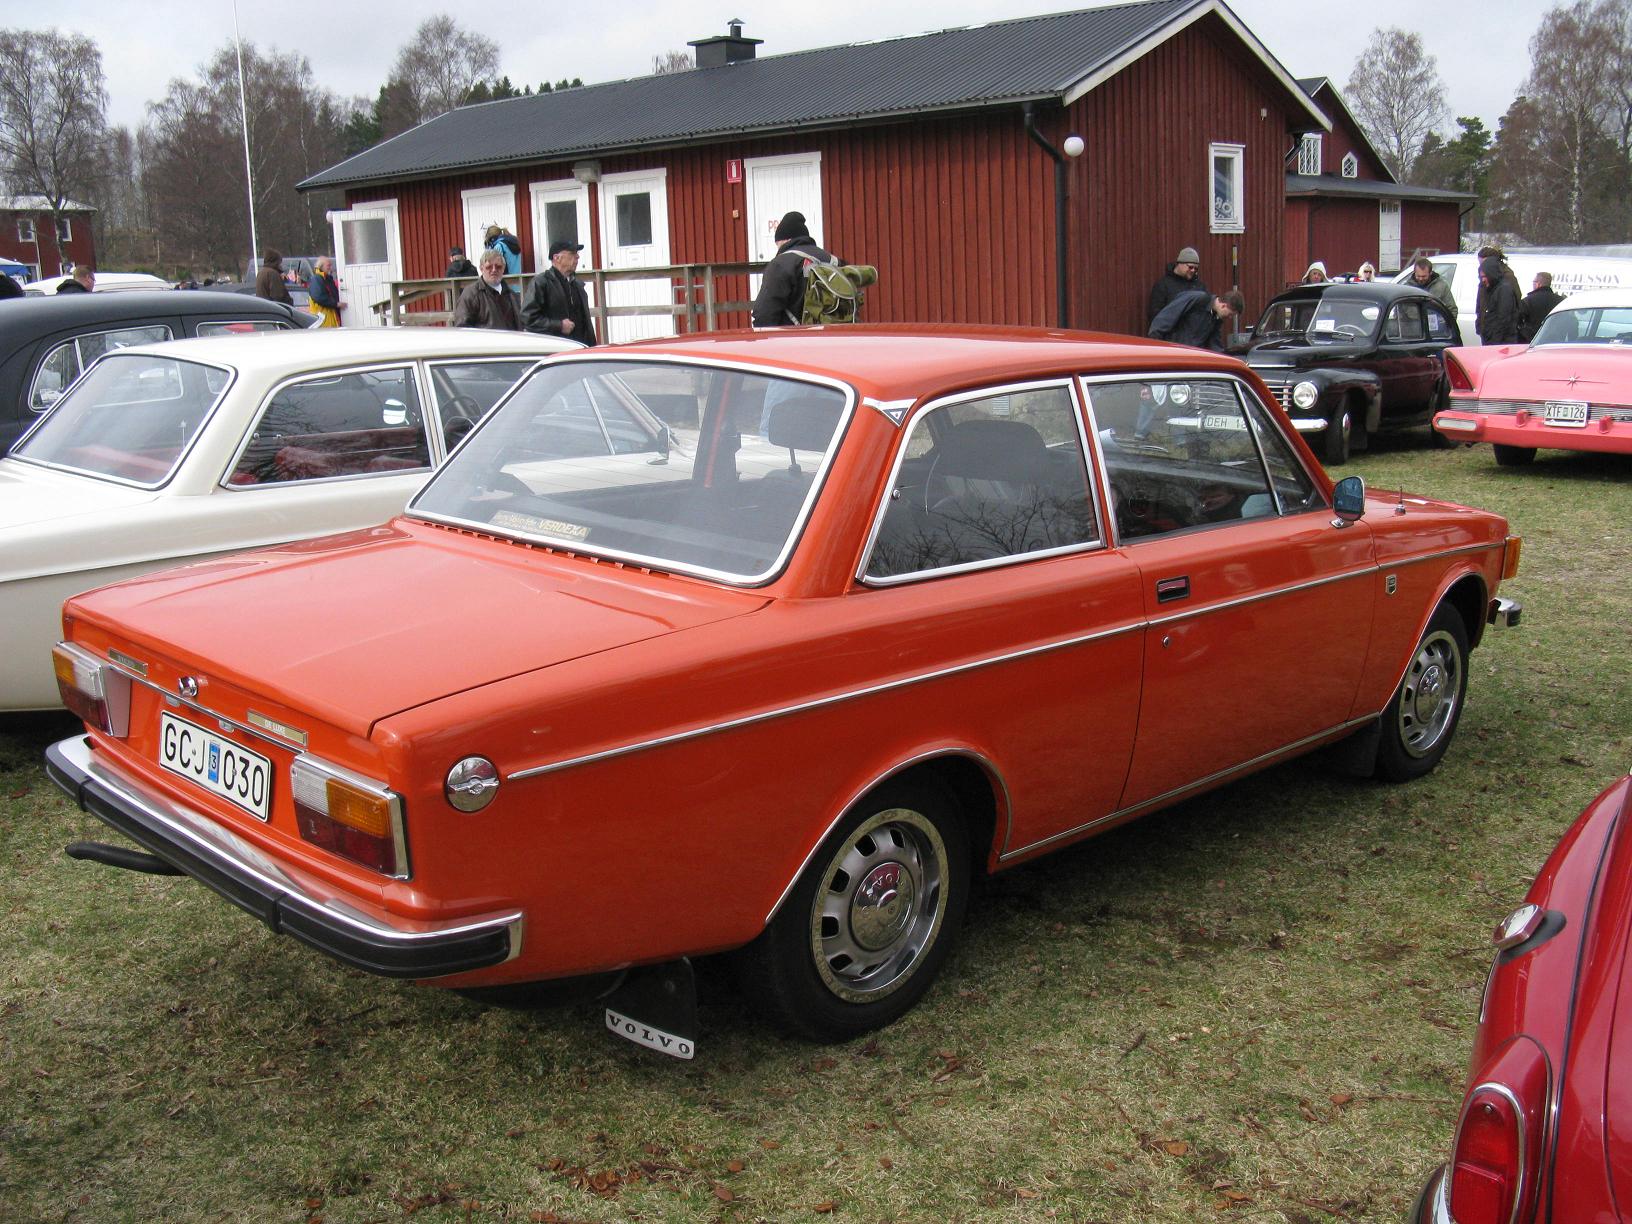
{"points": [[1029, 58], [1371, 189]]}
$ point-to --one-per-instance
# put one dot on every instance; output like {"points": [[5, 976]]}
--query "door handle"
{"points": [[1169, 589]]}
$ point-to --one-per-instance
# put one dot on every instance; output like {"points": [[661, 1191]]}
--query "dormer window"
{"points": [[1309, 154], [1351, 166]]}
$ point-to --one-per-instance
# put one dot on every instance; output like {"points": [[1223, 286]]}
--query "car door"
{"points": [[1258, 607], [1410, 361]]}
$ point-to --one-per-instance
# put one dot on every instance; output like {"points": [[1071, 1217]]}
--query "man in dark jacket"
{"points": [[1425, 278], [269, 280], [458, 266], [781, 298], [1183, 275], [1498, 321], [1537, 305], [1196, 318], [487, 301], [80, 280], [557, 304]]}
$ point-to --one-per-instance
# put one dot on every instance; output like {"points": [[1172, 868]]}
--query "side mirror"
{"points": [[1349, 499]]}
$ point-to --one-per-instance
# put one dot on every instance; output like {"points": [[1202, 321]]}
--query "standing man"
{"points": [[487, 301], [1183, 275], [1537, 305], [1425, 278], [269, 280], [80, 280], [781, 298], [458, 266], [557, 304], [325, 293], [1498, 318]]}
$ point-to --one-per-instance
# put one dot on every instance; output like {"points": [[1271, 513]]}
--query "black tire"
{"points": [[1422, 717], [870, 922], [1513, 456], [1336, 438]]}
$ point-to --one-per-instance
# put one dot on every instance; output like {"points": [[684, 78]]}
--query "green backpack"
{"points": [[833, 291]]}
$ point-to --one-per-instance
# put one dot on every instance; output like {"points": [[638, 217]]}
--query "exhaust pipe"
{"points": [[118, 856]]}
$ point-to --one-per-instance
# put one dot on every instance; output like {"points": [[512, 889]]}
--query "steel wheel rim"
{"points": [[1430, 694], [879, 905]]}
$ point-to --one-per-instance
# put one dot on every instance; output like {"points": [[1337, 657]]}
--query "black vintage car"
{"points": [[46, 342], [1348, 360]]}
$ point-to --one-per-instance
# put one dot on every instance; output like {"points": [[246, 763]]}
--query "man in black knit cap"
{"points": [[781, 297]]}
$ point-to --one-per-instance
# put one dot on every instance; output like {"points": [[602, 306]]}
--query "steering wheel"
{"points": [[459, 416]]}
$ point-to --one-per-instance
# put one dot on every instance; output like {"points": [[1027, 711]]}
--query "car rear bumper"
{"points": [[1603, 433], [1430, 1207], [290, 902]]}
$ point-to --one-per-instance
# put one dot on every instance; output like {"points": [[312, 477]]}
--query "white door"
{"points": [[1388, 235], [778, 185], [561, 213], [635, 234], [368, 257], [484, 207]]}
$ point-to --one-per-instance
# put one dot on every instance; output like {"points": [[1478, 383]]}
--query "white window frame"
{"points": [[1309, 152], [1351, 165], [25, 230], [65, 229], [1233, 218]]}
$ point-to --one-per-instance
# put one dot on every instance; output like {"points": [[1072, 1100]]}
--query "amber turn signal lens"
{"points": [[1510, 557], [352, 816], [92, 689]]}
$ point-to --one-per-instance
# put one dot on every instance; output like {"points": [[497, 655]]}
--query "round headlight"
{"points": [[472, 783], [1305, 394]]}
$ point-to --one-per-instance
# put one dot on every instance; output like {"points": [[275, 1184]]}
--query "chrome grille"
{"points": [[1503, 407]]}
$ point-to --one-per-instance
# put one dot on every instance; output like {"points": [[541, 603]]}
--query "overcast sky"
{"points": [[1482, 45]]}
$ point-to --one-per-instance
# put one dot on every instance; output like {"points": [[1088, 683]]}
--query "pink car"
{"points": [[1570, 388]]}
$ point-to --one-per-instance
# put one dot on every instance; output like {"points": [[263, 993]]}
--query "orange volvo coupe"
{"points": [[768, 642]]}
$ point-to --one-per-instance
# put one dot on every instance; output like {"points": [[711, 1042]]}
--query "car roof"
{"points": [[1590, 299], [52, 313], [287, 352], [1366, 291], [914, 361]]}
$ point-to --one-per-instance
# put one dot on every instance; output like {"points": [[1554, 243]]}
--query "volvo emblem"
{"points": [[187, 686]]}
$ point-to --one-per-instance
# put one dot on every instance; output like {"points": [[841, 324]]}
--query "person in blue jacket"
{"points": [[505, 243]]}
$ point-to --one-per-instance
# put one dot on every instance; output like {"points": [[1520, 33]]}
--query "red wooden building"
{"points": [[28, 236], [1343, 206], [933, 157]]}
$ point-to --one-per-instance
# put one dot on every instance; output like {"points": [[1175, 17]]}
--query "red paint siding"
{"points": [[46, 254], [1431, 228], [1343, 233]]}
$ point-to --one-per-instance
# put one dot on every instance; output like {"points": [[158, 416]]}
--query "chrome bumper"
{"points": [[286, 899], [1430, 1207], [1503, 613], [1309, 424]]}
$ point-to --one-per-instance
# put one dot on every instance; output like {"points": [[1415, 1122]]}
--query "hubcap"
{"points": [[1429, 696], [880, 905]]}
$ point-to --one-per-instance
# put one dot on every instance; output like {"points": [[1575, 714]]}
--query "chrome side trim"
{"points": [[897, 768], [204, 711], [1179, 792], [1259, 597], [534, 771]]}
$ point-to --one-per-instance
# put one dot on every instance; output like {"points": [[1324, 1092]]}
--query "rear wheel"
{"points": [[1514, 456], [1421, 720], [871, 920], [1339, 433]]}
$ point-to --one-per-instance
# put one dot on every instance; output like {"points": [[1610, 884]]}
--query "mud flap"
{"points": [[656, 1006]]}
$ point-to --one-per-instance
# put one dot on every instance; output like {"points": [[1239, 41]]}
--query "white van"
{"points": [[1571, 274]]}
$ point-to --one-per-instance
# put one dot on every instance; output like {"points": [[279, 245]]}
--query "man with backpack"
{"points": [[781, 298]]}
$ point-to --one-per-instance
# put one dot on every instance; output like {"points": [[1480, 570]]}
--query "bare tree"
{"points": [[1395, 92], [53, 106], [436, 70], [671, 61]]}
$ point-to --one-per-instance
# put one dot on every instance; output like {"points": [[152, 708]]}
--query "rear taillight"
{"points": [[1458, 377], [92, 688], [1493, 1168], [349, 815]]}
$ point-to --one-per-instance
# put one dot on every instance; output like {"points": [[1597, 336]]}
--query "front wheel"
{"points": [[1421, 720], [1514, 456], [1335, 441], [871, 920]]}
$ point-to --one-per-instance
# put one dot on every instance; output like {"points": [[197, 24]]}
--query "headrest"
{"points": [[994, 450], [804, 423]]}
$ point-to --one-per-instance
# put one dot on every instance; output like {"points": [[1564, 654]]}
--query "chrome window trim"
{"points": [[409, 364], [181, 459], [1100, 541], [664, 565], [534, 771], [79, 356]]}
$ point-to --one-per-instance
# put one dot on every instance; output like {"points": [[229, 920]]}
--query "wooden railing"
{"points": [[694, 303]]}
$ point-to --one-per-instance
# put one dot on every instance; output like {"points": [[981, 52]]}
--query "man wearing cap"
{"points": [[557, 304], [458, 265], [781, 298], [1183, 275]]}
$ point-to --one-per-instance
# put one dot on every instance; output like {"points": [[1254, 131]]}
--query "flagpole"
{"points": [[243, 114]]}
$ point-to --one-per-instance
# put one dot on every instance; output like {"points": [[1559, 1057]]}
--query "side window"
{"points": [[1440, 326], [1293, 485], [60, 367], [466, 392], [240, 327], [1182, 453], [92, 347], [1000, 477], [1404, 324], [356, 424]]}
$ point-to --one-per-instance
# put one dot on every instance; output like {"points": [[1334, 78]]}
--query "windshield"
{"points": [[1589, 325], [1322, 320], [130, 418], [706, 470]]}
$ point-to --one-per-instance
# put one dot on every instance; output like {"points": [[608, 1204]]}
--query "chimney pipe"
{"points": [[725, 49]]}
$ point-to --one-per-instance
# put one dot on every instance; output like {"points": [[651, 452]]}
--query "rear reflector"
{"points": [[92, 689], [349, 815]]}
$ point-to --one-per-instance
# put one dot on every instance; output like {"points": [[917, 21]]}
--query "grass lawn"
{"points": [[1257, 1005]]}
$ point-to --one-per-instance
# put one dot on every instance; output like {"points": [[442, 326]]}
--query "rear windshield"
{"points": [[130, 418], [1589, 325]]}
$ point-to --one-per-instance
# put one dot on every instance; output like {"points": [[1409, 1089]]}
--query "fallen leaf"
{"points": [[1022, 1192], [734, 1166], [723, 1193], [544, 1217], [770, 1145], [884, 1162], [1176, 1147], [824, 1207], [1341, 1099], [312, 1204]]}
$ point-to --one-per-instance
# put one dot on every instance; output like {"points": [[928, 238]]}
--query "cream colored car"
{"points": [[164, 454]]}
